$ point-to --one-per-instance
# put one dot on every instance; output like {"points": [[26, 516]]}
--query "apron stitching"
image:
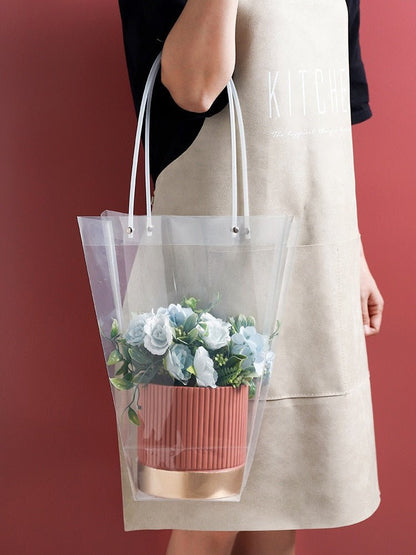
{"points": [[328, 394], [329, 243]]}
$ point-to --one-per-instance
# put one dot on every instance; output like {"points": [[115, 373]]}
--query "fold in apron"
{"points": [[315, 464]]}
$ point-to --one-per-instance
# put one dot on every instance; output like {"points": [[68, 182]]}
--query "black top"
{"points": [[146, 25]]}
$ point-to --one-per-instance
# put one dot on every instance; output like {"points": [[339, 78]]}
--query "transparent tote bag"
{"points": [[188, 308]]}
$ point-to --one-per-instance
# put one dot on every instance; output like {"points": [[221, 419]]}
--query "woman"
{"points": [[315, 464]]}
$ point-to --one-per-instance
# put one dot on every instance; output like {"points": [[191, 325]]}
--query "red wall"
{"points": [[66, 133]]}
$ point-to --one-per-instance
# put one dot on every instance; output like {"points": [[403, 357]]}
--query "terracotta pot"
{"points": [[187, 434]]}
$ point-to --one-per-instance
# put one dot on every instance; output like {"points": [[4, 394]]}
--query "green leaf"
{"points": [[192, 335], [251, 374], [235, 360], [190, 323], [150, 373], [276, 330], [241, 321], [123, 369], [115, 356], [251, 321], [191, 302], [139, 356], [252, 390], [191, 370], [133, 417], [124, 349], [147, 375], [121, 383], [183, 340], [138, 378], [114, 329]]}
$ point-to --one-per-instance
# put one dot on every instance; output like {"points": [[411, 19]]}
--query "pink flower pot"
{"points": [[192, 440]]}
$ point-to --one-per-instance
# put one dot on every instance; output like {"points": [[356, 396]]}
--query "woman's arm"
{"points": [[372, 302], [198, 56]]}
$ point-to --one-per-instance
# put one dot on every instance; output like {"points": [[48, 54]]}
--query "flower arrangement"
{"points": [[185, 345]]}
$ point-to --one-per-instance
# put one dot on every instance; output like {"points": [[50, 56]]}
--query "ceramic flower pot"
{"points": [[192, 440]]}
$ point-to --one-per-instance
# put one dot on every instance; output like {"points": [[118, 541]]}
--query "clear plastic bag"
{"points": [[187, 308]]}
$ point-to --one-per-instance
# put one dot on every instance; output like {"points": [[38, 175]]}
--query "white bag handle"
{"points": [[146, 102]]}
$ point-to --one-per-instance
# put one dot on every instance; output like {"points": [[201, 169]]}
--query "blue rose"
{"points": [[178, 314], [206, 375], [177, 360], [135, 332], [266, 365], [158, 333], [249, 343]]}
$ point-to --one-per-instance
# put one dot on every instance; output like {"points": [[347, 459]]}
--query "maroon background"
{"points": [[67, 126]]}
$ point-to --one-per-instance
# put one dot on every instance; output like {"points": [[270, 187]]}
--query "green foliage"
{"points": [[227, 375], [237, 322], [252, 390], [190, 302], [236, 376], [191, 370], [236, 360], [115, 356], [114, 329], [230, 371], [124, 369], [276, 330], [124, 349], [122, 383], [140, 357], [190, 323], [192, 336], [133, 417]]}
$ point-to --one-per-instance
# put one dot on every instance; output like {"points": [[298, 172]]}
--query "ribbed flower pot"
{"points": [[192, 440]]}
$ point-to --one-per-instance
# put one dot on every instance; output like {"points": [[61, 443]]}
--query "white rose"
{"points": [[217, 332], [206, 375]]}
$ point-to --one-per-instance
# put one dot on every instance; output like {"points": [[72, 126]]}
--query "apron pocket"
{"points": [[321, 348]]}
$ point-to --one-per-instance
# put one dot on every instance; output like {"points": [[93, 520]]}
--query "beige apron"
{"points": [[315, 464]]}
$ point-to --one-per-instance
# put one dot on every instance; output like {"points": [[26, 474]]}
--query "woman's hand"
{"points": [[198, 56], [372, 303]]}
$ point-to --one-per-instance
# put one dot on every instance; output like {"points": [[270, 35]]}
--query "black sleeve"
{"points": [[146, 25], [359, 97]]}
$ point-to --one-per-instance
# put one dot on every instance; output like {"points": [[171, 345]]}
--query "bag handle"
{"points": [[234, 103]]}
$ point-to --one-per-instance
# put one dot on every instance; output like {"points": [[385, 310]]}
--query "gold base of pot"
{"points": [[190, 484]]}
